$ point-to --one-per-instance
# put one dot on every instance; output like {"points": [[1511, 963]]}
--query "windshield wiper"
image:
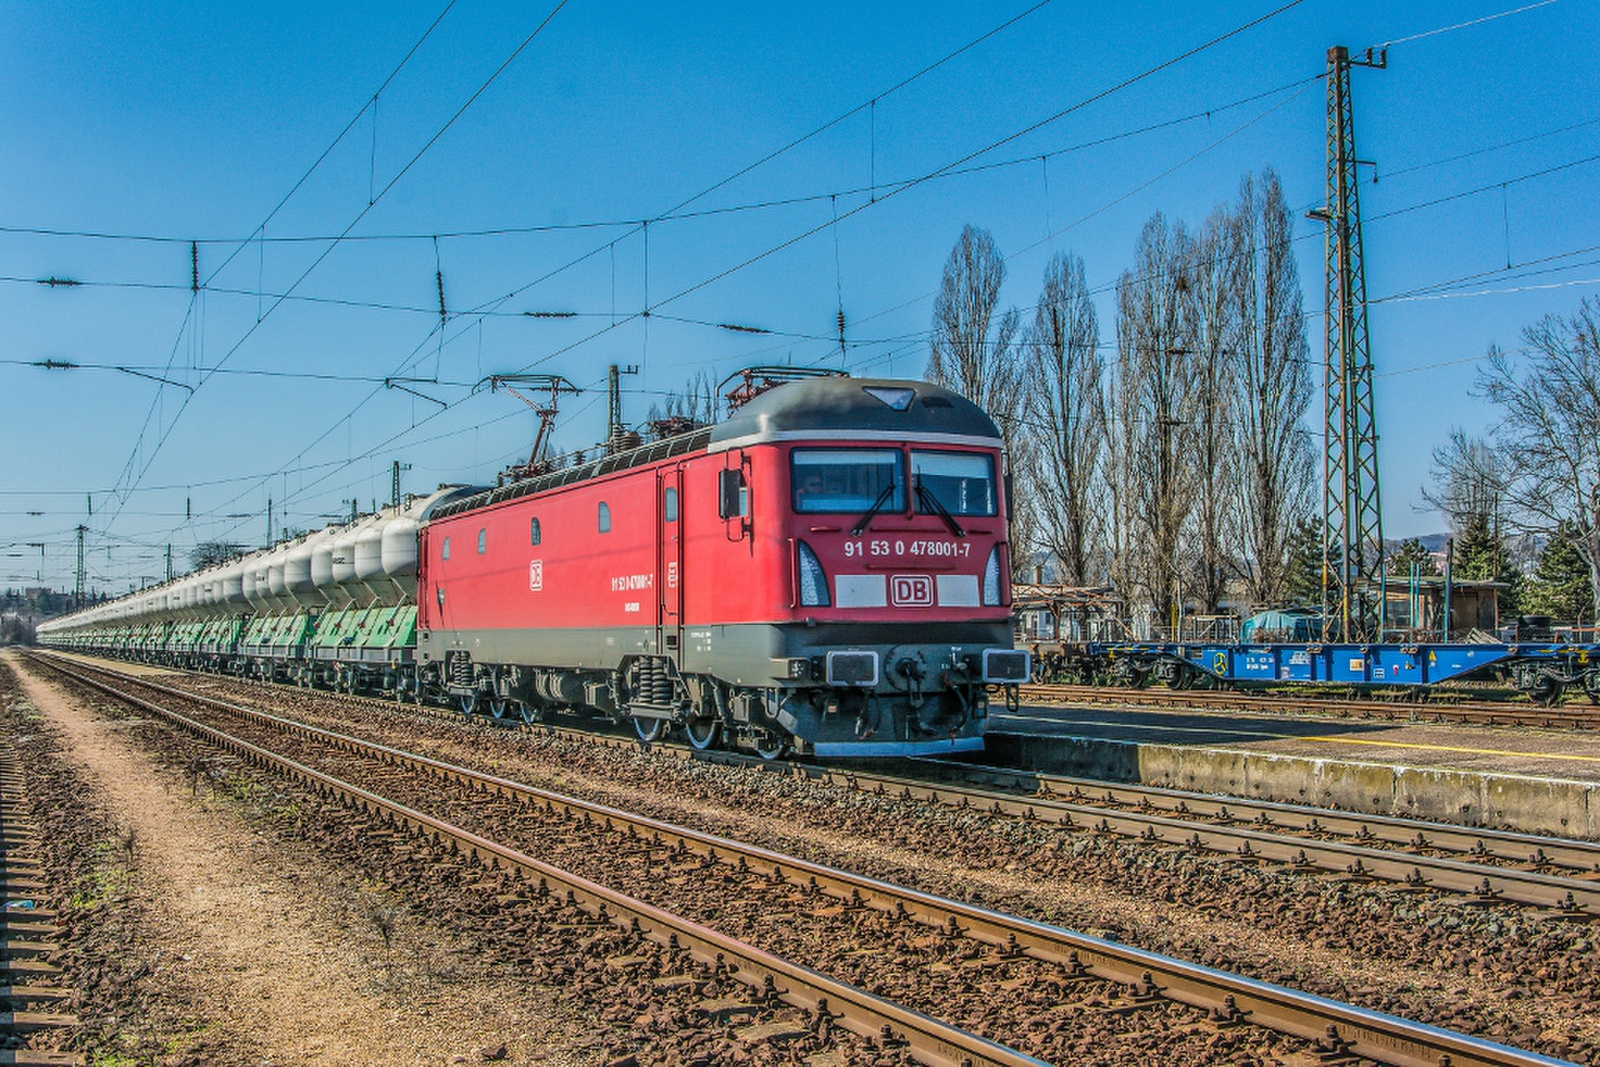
{"points": [[932, 503], [877, 506]]}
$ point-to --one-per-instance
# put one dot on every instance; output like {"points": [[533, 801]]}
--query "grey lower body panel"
{"points": [[839, 688]]}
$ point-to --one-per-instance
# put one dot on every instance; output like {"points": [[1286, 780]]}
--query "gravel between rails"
{"points": [[642, 1005], [1503, 972], [1022, 1002]]}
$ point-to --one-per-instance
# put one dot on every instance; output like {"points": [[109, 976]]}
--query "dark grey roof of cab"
{"points": [[827, 404], [813, 407]]}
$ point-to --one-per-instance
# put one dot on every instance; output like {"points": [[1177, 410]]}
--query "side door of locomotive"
{"points": [[669, 559]]}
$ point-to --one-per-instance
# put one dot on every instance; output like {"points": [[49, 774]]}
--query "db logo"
{"points": [[536, 575], [911, 591]]}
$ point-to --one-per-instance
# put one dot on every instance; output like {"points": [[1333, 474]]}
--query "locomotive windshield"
{"points": [[961, 482], [847, 479]]}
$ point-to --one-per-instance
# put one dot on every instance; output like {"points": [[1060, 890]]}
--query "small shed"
{"points": [[1416, 606]]}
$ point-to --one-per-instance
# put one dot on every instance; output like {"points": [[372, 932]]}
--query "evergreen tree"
{"points": [[1302, 576], [1561, 586], [1481, 556], [1412, 550]]}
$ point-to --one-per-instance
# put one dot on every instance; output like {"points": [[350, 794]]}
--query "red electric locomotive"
{"points": [[825, 571]]}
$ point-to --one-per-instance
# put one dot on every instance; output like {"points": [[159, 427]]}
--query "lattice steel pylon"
{"points": [[1352, 557]]}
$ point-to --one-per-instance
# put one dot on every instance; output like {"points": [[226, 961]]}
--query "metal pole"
{"points": [[1449, 590]]}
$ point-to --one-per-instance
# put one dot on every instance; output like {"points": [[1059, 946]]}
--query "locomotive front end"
{"points": [[894, 598]]}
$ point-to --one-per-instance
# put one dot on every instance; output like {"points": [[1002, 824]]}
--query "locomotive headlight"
{"points": [[991, 579], [813, 582]]}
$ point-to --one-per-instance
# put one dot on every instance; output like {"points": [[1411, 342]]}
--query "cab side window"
{"points": [[535, 535], [604, 517], [733, 494], [669, 505]]}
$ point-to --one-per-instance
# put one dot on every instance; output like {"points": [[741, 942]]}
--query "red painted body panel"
{"points": [[701, 569]]}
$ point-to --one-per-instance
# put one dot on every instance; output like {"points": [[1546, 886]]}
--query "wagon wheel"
{"points": [[529, 713], [500, 708], [469, 703], [771, 746], [1547, 693], [704, 734], [650, 730]]}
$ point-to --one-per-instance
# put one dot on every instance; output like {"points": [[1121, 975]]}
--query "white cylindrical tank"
{"points": [[322, 569], [232, 583], [275, 586], [400, 547], [297, 582], [400, 555], [344, 558]]}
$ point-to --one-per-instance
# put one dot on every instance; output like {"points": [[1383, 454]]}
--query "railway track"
{"points": [[1484, 865], [1050, 957], [1483, 713], [32, 987]]}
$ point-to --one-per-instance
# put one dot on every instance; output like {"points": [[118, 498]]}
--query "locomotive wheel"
{"points": [[469, 703], [771, 746], [528, 713], [500, 708], [704, 734], [650, 730]]}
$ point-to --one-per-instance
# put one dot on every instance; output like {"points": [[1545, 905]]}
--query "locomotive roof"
{"points": [[863, 408]]}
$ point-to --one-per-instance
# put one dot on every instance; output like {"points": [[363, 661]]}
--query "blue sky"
{"points": [[157, 125]]}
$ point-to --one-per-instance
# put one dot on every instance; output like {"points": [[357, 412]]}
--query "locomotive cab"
{"points": [[889, 593]]}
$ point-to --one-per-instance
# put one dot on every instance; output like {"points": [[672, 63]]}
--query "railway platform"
{"points": [[1521, 778]]}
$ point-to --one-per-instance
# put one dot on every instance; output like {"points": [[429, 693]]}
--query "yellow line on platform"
{"points": [[1447, 748]]}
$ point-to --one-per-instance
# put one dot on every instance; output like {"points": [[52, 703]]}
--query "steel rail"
{"points": [[929, 1040], [1339, 1028], [1480, 713], [1259, 842], [1534, 849], [1169, 816], [30, 981]]}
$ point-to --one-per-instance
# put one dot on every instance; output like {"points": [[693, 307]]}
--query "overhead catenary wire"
{"points": [[611, 245], [664, 316], [393, 181]]}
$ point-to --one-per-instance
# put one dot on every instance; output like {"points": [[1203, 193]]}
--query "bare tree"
{"points": [[211, 553], [696, 403], [1278, 477], [1212, 276], [1156, 406], [1548, 436], [975, 354], [1065, 407], [965, 357], [1469, 480]]}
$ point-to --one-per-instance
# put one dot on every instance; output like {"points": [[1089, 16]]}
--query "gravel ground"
{"points": [[385, 950], [1510, 973], [1506, 972]]}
